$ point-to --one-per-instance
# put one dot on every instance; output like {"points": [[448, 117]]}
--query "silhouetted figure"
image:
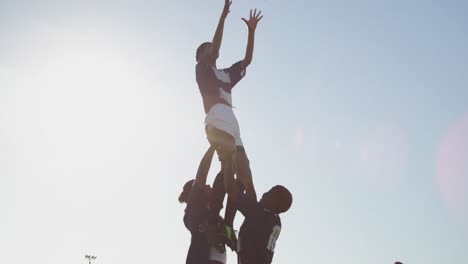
{"points": [[262, 224], [209, 234], [215, 86]]}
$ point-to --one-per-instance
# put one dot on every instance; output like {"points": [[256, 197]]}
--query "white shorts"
{"points": [[222, 117]]}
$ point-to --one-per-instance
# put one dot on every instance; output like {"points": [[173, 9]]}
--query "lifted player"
{"points": [[215, 86]]}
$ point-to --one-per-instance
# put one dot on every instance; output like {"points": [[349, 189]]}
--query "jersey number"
{"points": [[273, 237]]}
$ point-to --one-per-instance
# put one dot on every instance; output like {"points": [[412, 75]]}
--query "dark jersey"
{"points": [[258, 233], [215, 85], [197, 214], [194, 215]]}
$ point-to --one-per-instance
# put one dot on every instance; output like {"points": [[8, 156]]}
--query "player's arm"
{"points": [[252, 26], [204, 168], [218, 37], [247, 206]]}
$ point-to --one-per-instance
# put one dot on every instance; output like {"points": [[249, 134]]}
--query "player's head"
{"points": [[278, 199], [183, 197], [205, 53], [398, 262]]}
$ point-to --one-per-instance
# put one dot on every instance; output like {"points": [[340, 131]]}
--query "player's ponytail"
{"points": [[184, 195]]}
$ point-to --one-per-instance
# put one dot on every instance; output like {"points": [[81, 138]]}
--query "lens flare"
{"points": [[452, 170]]}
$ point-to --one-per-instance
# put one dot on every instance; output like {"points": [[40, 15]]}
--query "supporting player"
{"points": [[209, 234], [262, 223]]}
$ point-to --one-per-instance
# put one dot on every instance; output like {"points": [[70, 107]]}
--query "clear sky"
{"points": [[359, 107]]}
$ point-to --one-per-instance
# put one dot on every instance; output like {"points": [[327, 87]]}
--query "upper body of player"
{"points": [[215, 84], [202, 217], [262, 223]]}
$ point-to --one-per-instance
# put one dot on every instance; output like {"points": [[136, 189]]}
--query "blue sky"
{"points": [[360, 108]]}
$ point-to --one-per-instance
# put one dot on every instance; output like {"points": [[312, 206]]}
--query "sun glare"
{"points": [[82, 100]]}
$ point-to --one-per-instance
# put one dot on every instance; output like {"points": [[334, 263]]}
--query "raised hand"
{"points": [[253, 19], [218, 37], [227, 6]]}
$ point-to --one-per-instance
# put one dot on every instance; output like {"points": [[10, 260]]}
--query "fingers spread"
{"points": [[259, 13], [255, 16]]}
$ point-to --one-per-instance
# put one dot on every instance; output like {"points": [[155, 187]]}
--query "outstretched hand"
{"points": [[227, 6], [253, 20]]}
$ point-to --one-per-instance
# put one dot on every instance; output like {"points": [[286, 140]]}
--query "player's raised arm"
{"points": [[204, 168], [252, 26], [218, 37]]}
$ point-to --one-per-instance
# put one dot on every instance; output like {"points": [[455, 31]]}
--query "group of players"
{"points": [[211, 233]]}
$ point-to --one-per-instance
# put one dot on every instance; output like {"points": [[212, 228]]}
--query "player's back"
{"points": [[257, 237]]}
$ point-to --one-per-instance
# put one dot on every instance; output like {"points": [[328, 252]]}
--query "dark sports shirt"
{"points": [[195, 214], [258, 233], [215, 85]]}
